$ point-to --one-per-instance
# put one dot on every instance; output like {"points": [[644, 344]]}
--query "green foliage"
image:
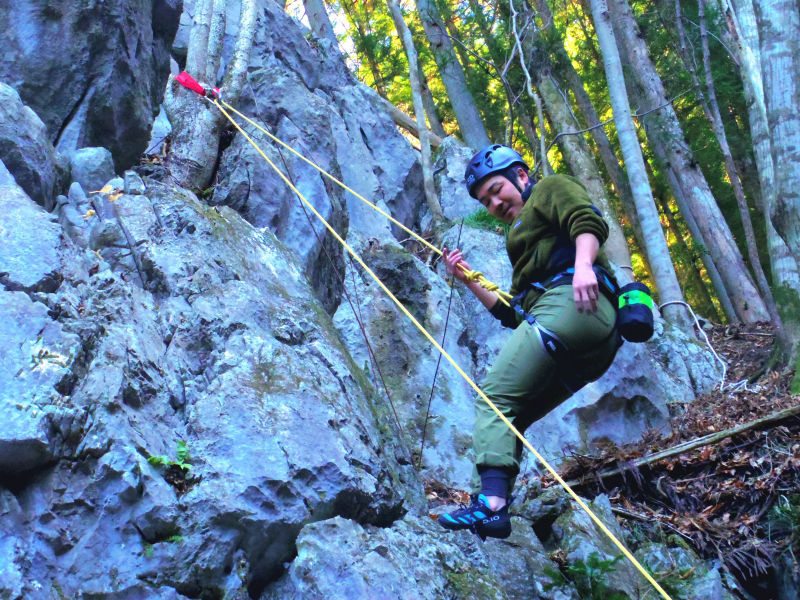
{"points": [[481, 219], [785, 518], [182, 458], [589, 577]]}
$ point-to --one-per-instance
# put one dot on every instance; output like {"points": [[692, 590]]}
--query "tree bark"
{"points": [[419, 110], [779, 31], [319, 21], [708, 261], [197, 126], [430, 106], [669, 144], [467, 115], [692, 272], [741, 19], [714, 116], [656, 248]]}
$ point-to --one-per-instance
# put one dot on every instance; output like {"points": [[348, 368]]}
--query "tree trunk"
{"points": [[430, 106], [197, 126], [419, 110], [733, 175], [467, 115], [656, 248], [669, 144], [692, 272], [779, 31], [741, 20], [319, 21]]}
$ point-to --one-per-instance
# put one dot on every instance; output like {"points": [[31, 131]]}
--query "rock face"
{"points": [[303, 94], [208, 334], [121, 49]]}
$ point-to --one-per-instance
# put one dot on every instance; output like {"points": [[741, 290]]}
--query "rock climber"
{"points": [[563, 317]]}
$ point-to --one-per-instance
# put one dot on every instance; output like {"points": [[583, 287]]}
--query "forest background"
{"points": [[710, 214]]}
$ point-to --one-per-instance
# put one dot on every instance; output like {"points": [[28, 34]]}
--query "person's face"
{"points": [[500, 197]]}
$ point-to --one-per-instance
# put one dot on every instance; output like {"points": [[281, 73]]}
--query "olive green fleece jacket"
{"points": [[557, 211]]}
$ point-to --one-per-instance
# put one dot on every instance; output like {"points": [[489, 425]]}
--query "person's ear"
{"points": [[522, 177]]}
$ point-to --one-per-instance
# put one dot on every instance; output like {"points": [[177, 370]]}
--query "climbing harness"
{"points": [[221, 105], [570, 377]]}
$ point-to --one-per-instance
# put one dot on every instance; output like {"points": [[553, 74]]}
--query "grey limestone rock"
{"points": [[340, 559], [93, 71], [26, 150], [92, 167], [30, 241], [448, 169], [306, 97], [406, 361], [220, 345]]}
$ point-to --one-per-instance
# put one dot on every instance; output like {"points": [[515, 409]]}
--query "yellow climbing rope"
{"points": [[430, 338]]}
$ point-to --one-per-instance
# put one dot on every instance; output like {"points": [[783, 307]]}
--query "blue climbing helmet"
{"points": [[493, 160]]}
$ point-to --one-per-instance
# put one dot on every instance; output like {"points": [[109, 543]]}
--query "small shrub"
{"points": [[481, 219]]}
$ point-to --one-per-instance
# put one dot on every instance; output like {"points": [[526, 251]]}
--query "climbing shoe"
{"points": [[478, 518]]}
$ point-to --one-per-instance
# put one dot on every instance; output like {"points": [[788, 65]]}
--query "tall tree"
{"points": [[467, 115], [712, 108], [416, 89], [668, 142], [779, 31], [741, 19], [319, 21], [656, 248], [365, 40]]}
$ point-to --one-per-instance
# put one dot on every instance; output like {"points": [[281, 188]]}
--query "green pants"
{"points": [[523, 382]]}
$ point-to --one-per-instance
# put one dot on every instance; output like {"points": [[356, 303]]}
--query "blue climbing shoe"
{"points": [[478, 518]]}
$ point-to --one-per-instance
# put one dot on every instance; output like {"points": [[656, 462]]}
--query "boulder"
{"points": [[340, 559], [26, 150], [92, 168], [93, 71], [29, 241], [684, 575]]}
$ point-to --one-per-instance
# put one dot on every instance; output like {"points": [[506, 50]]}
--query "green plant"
{"points": [[785, 517], [481, 219], [181, 461], [589, 577]]}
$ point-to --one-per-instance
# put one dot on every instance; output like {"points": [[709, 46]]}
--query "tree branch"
{"points": [[698, 442]]}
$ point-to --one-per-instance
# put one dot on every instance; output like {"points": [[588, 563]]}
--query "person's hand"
{"points": [[451, 260], [585, 289]]}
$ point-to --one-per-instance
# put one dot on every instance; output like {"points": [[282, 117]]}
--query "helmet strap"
{"points": [[526, 193], [511, 174]]}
